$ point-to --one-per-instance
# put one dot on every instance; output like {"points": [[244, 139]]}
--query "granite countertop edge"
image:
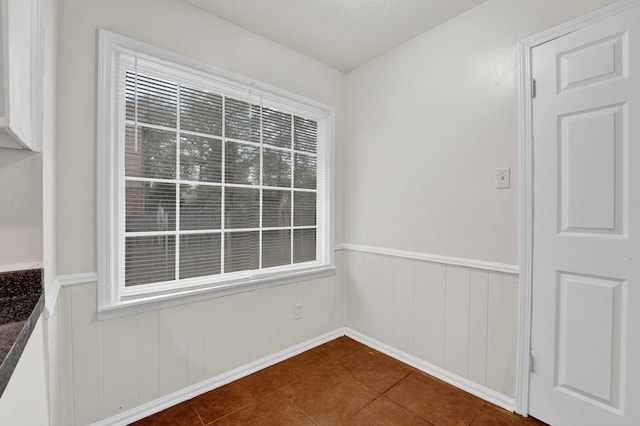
{"points": [[10, 361]]}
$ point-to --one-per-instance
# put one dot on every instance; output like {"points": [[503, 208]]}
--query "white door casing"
{"points": [[585, 335]]}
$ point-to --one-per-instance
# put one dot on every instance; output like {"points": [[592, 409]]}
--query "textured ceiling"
{"points": [[341, 33]]}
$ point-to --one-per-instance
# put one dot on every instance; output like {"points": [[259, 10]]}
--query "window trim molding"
{"points": [[111, 302]]}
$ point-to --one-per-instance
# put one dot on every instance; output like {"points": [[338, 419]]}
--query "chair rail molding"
{"points": [[51, 293], [448, 260]]}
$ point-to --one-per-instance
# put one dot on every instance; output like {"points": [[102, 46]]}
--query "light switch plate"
{"points": [[503, 178]]}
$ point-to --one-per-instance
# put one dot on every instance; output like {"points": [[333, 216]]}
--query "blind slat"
{"points": [[274, 153]]}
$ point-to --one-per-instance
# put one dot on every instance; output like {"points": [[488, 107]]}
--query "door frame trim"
{"points": [[525, 46]]}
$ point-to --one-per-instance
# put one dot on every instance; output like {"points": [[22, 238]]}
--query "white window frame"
{"points": [[114, 299]]}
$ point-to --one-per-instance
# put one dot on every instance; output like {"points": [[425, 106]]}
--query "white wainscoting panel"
{"points": [[172, 348], [403, 291], [85, 336], [458, 318], [502, 310], [429, 312], [478, 314], [148, 357], [457, 324], [118, 365]]}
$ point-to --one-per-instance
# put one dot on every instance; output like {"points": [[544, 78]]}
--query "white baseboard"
{"points": [[187, 393], [435, 371]]}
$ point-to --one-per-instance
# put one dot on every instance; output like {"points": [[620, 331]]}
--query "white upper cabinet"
{"points": [[20, 75]]}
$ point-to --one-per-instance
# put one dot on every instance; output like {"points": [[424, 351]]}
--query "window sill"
{"points": [[144, 304]]}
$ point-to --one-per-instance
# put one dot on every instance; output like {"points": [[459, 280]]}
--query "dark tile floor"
{"points": [[339, 383]]}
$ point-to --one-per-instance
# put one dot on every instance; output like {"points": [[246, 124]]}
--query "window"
{"points": [[207, 181]]}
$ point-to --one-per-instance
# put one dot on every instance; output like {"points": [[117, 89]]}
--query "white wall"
{"points": [[419, 137], [51, 324], [21, 211], [107, 367], [50, 31], [429, 123], [25, 399], [180, 28], [26, 225]]}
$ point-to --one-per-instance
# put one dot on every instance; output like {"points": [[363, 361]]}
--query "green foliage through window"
{"points": [[213, 184]]}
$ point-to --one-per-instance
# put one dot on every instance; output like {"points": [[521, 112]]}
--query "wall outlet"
{"points": [[297, 311], [503, 178]]}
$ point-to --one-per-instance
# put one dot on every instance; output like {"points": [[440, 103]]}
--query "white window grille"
{"points": [[206, 180]]}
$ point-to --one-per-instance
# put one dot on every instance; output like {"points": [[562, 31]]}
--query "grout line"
{"points": [[289, 400], [302, 411], [404, 407], [366, 405], [424, 367], [196, 411], [397, 382], [477, 414]]}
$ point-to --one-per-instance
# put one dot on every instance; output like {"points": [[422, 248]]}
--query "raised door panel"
{"points": [[589, 343], [591, 171]]}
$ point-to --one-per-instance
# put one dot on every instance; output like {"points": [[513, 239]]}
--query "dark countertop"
{"points": [[21, 303]]}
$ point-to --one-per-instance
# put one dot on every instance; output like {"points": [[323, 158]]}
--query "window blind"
{"points": [[215, 185], [207, 182]]}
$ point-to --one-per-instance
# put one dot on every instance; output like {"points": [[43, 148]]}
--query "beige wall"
{"points": [[50, 62], [121, 363], [180, 28], [428, 125], [21, 215], [21, 209], [26, 225], [420, 132]]}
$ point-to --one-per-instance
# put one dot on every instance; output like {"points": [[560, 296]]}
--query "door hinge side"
{"points": [[533, 87], [531, 363]]}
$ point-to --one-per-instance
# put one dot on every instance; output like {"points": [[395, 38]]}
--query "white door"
{"points": [[586, 254]]}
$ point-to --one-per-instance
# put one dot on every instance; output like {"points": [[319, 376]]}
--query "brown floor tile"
{"points": [[231, 397], [273, 410], [384, 412], [435, 401], [329, 397], [494, 416], [337, 348], [292, 369], [179, 415], [337, 383], [375, 369]]}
